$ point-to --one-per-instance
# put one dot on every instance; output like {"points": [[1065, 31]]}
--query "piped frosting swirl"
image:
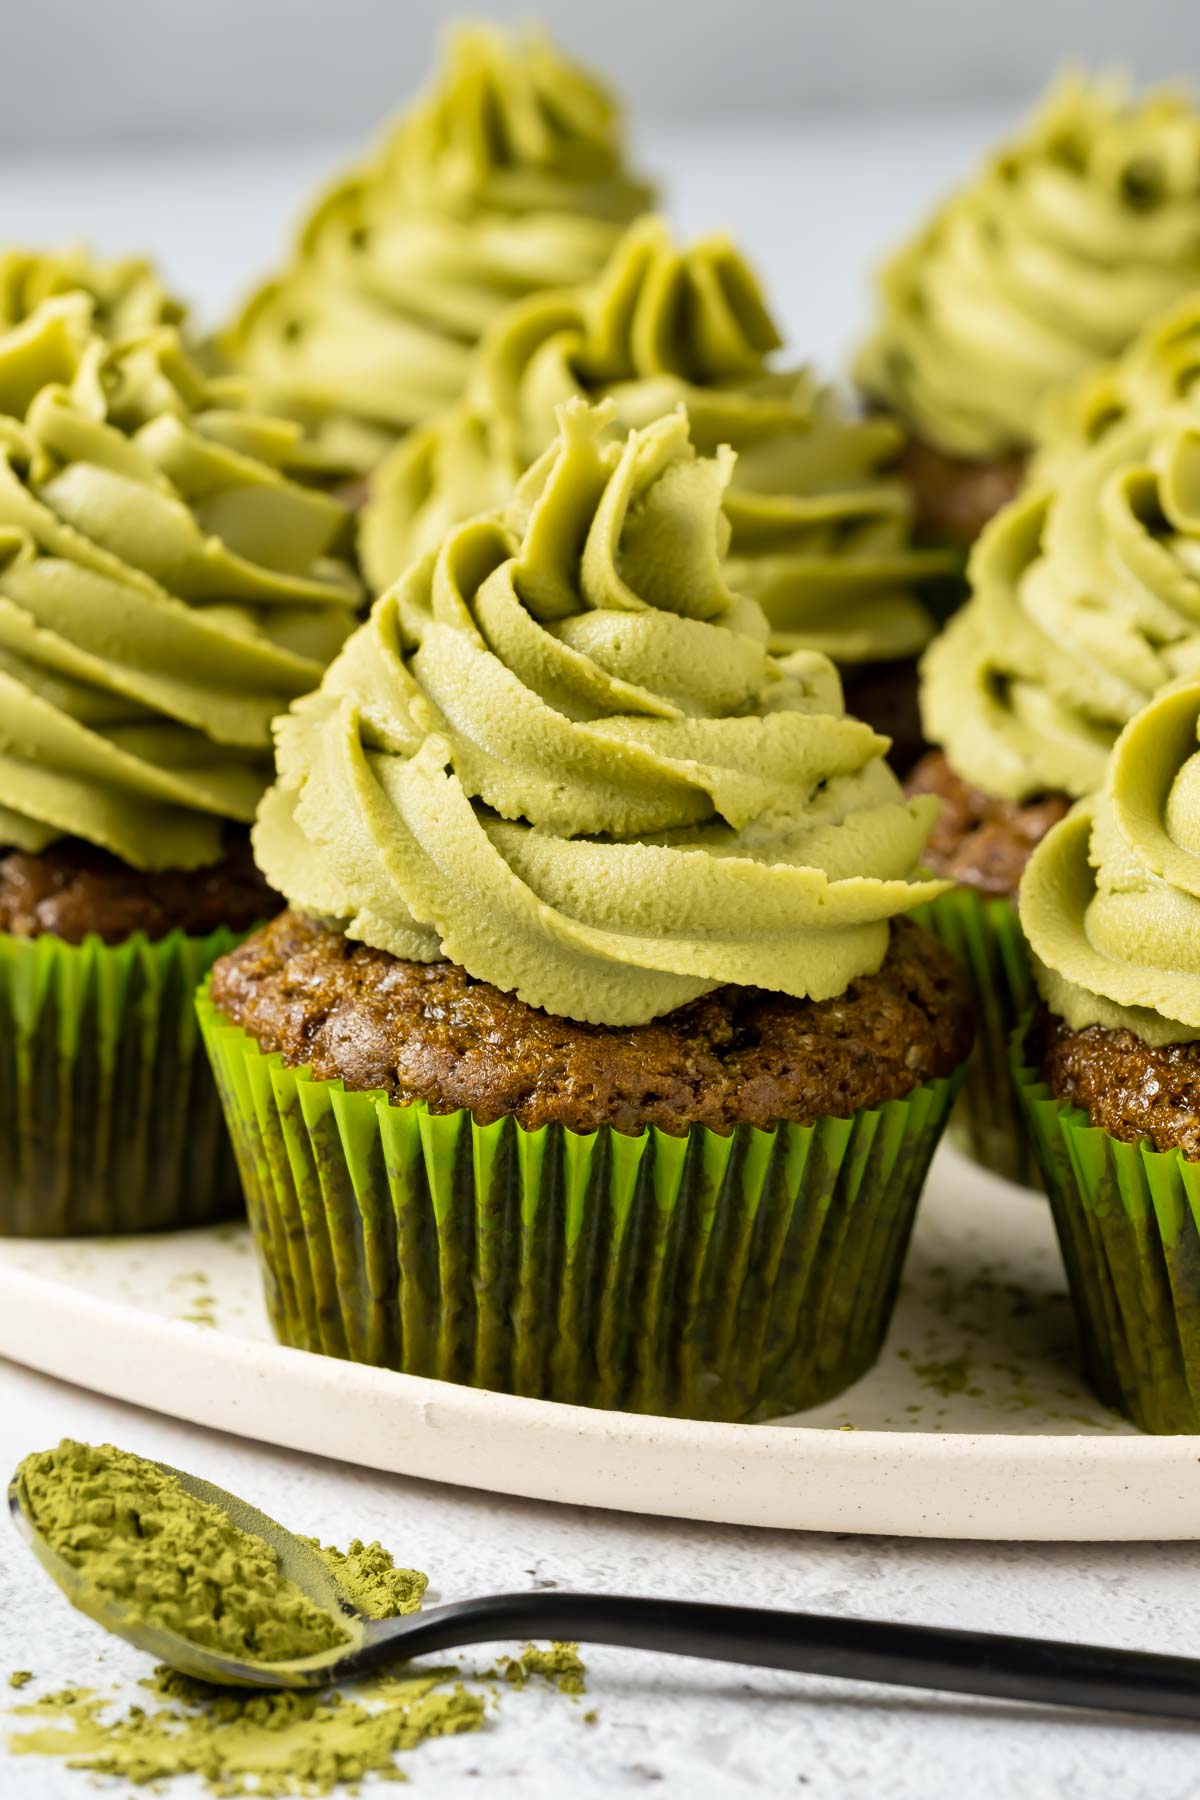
{"points": [[1110, 901], [1048, 262], [165, 590], [561, 754], [507, 176], [820, 529], [1085, 602]]}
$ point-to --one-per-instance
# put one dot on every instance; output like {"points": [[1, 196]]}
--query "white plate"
{"points": [[975, 1423]]}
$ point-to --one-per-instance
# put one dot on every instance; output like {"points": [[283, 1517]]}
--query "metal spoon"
{"points": [[1037, 1670]]}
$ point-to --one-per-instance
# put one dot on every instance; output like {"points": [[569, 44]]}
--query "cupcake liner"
{"points": [[108, 1115], [1128, 1223], [702, 1276], [988, 1123]]}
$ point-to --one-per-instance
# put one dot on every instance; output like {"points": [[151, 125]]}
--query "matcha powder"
{"points": [[138, 1536]]}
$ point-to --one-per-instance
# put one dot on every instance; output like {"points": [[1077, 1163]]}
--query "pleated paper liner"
{"points": [[109, 1118], [988, 1123], [703, 1276], [1128, 1223]]}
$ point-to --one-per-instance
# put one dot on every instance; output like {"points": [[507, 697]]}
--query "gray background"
{"points": [[177, 70]]}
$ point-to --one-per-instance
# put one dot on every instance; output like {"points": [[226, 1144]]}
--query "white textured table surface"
{"points": [[815, 207]]}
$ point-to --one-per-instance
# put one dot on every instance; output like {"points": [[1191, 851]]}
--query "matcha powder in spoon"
{"points": [[135, 1534]]}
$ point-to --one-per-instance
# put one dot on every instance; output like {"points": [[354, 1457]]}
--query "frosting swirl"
{"points": [[127, 294], [1049, 261], [1085, 602], [1160, 367], [561, 754], [507, 176], [820, 533], [165, 590], [1110, 901]]}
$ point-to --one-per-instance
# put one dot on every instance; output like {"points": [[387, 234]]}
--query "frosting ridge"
{"points": [[1047, 262], [1110, 901], [561, 754], [506, 175], [165, 589], [820, 531], [1085, 602]]}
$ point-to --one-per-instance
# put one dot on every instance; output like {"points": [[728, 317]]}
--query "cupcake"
{"points": [[506, 176], [595, 1058], [820, 527], [1085, 602], [1109, 1069], [1048, 262], [164, 591]]}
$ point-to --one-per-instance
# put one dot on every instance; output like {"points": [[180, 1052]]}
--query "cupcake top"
{"points": [[165, 590], [1110, 901], [1085, 602], [1050, 260], [561, 755], [820, 530], [506, 176], [1160, 367], [127, 294]]}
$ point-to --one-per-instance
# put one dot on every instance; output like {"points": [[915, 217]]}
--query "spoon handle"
{"points": [[1037, 1670]]}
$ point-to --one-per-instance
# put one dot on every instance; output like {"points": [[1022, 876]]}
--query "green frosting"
{"points": [[135, 1536], [128, 294], [1160, 367], [1048, 262], [165, 590], [560, 754], [506, 176], [1110, 901], [1085, 602], [820, 533]]}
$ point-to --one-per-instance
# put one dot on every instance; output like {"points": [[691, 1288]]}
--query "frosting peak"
{"points": [[561, 754], [1049, 261], [1110, 901], [165, 589], [820, 531], [506, 176]]}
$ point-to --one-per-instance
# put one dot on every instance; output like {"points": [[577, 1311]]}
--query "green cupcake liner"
{"points": [[108, 1115], [702, 1276], [1128, 1223], [988, 1123]]}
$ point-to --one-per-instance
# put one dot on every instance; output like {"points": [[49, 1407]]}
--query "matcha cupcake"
{"points": [[1085, 602], [1109, 1069], [595, 1058], [1048, 262], [820, 526], [165, 590], [507, 175]]}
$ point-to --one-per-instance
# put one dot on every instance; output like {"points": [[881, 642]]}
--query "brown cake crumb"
{"points": [[1127, 1087], [738, 1055], [71, 889], [954, 498], [980, 841]]}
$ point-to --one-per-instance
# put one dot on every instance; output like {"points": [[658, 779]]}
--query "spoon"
{"points": [[1038, 1670]]}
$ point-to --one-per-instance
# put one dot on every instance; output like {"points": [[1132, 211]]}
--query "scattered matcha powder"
{"points": [[126, 1521], [20, 1678]]}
